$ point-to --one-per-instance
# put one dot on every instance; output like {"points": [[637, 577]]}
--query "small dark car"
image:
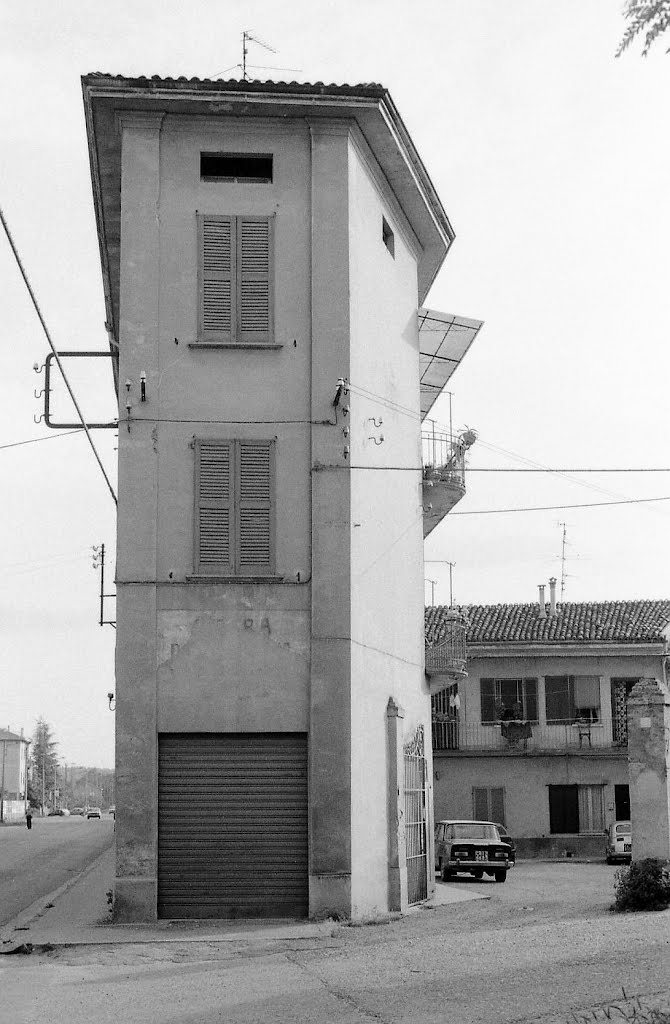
{"points": [[472, 847]]}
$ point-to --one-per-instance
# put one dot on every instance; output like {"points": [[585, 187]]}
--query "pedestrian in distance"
{"points": [[29, 816]]}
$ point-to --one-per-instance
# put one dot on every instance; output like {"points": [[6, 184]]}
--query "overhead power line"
{"points": [[548, 469], [550, 508], [56, 356], [34, 440]]}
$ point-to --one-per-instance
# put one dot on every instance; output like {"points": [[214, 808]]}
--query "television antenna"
{"points": [[247, 38]]}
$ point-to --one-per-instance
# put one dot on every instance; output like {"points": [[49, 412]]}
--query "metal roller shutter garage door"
{"points": [[232, 825]]}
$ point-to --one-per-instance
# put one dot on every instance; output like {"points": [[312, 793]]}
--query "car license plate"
{"points": [[626, 847], [480, 855]]}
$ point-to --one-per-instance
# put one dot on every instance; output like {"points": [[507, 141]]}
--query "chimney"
{"points": [[552, 595], [543, 613]]}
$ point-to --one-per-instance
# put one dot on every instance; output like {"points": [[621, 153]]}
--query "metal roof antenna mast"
{"points": [[248, 38]]}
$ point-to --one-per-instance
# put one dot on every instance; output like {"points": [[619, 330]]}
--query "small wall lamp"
{"points": [[111, 701]]}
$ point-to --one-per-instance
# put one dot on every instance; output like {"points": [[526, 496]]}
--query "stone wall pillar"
{"points": [[397, 864], [648, 767]]}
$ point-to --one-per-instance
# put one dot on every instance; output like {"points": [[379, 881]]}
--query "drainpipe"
{"points": [[552, 596], [543, 613]]}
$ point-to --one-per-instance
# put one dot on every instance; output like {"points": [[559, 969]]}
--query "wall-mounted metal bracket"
{"points": [[113, 425]]}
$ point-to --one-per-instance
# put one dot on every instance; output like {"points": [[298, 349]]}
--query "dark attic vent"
{"points": [[242, 167]]}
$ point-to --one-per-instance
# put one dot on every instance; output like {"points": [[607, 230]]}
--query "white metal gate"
{"points": [[415, 818]]}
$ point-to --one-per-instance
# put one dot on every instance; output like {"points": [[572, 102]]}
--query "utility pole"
{"points": [[432, 590], [565, 530], [2, 783], [443, 561]]}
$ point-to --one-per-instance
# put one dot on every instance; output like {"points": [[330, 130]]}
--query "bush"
{"points": [[645, 885]]}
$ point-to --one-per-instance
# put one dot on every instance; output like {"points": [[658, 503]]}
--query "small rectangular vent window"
{"points": [[387, 236], [243, 167]]}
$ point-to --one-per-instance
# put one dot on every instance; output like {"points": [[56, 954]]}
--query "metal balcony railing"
{"points": [[443, 457], [448, 655], [521, 737]]}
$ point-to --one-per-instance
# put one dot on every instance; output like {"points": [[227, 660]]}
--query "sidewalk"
{"points": [[78, 913]]}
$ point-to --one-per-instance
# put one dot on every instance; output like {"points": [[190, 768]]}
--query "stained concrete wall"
{"points": [[649, 766], [320, 652], [525, 781]]}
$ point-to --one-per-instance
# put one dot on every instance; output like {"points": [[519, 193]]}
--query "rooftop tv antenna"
{"points": [[563, 543], [247, 38]]}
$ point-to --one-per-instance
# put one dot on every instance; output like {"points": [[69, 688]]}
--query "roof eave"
{"points": [[373, 110]]}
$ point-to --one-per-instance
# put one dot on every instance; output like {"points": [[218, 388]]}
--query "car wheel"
{"points": [[500, 876], [479, 873], [608, 859], [445, 873]]}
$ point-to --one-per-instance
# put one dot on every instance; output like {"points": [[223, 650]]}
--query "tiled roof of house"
{"points": [[622, 622], [5, 734], [367, 89]]}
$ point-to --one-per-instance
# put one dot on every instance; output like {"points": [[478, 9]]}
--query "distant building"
{"points": [[536, 736], [265, 251], [13, 775]]}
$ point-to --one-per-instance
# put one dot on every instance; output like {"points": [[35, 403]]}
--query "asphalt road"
{"points": [[543, 948], [35, 862]]}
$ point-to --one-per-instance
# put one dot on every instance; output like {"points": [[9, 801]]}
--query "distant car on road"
{"points": [[472, 847], [93, 812], [112, 811], [58, 813], [619, 842], [78, 810]]}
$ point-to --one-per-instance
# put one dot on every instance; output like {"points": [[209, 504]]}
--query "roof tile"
{"points": [[631, 622]]}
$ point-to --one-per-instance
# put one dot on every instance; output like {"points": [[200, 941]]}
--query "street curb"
{"points": [[23, 920]]}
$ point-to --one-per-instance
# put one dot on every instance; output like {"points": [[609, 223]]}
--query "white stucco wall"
{"points": [[386, 524]]}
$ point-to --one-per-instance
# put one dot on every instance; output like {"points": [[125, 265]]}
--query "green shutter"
{"points": [[255, 488], [530, 699], [254, 285], [498, 805], [488, 701], [558, 699], [214, 507], [480, 803], [217, 271]]}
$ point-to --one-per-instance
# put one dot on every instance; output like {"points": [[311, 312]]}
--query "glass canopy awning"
{"points": [[444, 340]]}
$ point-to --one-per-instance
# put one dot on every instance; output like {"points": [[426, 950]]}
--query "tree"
{"points": [[44, 759], [651, 17]]}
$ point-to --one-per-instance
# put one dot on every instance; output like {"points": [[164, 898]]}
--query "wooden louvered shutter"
{"points": [[255, 512], [488, 701], [217, 273], [215, 528], [254, 286], [530, 699]]}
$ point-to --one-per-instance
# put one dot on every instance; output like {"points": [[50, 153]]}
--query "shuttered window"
{"points": [[508, 698], [488, 803], [234, 507], [235, 279]]}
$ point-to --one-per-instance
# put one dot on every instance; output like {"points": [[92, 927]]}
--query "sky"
{"points": [[551, 159]]}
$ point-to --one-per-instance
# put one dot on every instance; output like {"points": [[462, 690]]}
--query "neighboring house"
{"points": [[538, 739], [13, 775], [265, 251]]}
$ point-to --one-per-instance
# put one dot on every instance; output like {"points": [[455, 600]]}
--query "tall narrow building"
{"points": [[265, 249]]}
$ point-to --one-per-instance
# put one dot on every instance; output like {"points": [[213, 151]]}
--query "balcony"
{"points": [[443, 456], [446, 659], [517, 737]]}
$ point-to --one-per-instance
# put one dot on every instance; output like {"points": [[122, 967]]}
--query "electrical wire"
{"points": [[34, 440], [550, 508], [56, 356]]}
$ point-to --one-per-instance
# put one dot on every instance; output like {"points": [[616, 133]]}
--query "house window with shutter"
{"points": [[235, 280], [572, 698], [234, 515], [503, 699], [488, 804]]}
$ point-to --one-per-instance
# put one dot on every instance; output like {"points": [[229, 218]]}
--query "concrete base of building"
{"points": [[135, 900], [330, 896], [561, 848]]}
